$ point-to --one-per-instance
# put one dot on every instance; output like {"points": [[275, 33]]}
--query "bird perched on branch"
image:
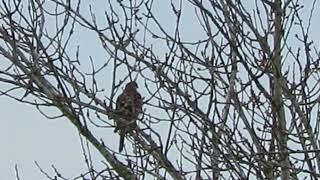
{"points": [[128, 108]]}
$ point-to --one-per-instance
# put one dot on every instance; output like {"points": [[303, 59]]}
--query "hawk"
{"points": [[128, 108]]}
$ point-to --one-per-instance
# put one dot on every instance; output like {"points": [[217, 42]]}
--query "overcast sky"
{"points": [[27, 136]]}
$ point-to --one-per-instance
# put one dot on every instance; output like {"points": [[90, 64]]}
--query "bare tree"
{"points": [[230, 88]]}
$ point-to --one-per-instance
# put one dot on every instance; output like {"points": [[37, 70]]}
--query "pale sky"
{"points": [[27, 136]]}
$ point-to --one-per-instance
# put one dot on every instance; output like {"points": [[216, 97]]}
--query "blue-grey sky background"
{"points": [[27, 136]]}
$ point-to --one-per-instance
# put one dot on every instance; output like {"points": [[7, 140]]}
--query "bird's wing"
{"points": [[138, 102], [121, 101]]}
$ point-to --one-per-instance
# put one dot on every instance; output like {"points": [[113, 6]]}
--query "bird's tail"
{"points": [[121, 143]]}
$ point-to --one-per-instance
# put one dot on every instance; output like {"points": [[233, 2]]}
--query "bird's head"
{"points": [[132, 86]]}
